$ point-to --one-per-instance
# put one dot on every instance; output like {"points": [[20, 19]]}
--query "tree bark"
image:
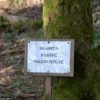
{"points": [[71, 19]]}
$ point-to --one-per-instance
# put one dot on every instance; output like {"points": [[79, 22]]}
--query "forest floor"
{"points": [[16, 27]]}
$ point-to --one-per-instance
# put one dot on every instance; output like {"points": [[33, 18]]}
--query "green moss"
{"points": [[60, 22], [97, 88], [68, 19], [74, 89]]}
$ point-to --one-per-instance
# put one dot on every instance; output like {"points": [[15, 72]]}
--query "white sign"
{"points": [[49, 57]]}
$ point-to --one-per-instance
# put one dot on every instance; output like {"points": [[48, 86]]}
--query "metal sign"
{"points": [[50, 57]]}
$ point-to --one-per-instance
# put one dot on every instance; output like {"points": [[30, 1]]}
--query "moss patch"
{"points": [[68, 19]]}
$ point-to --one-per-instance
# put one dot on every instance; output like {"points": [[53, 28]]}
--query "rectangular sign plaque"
{"points": [[50, 57]]}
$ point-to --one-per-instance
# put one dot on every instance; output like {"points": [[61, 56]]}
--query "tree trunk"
{"points": [[72, 19]]}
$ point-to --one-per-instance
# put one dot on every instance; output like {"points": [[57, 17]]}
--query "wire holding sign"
{"points": [[53, 57]]}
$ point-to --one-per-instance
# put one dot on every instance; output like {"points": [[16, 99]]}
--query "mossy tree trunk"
{"points": [[72, 19]]}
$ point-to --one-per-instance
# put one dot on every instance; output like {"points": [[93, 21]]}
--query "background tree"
{"points": [[72, 19]]}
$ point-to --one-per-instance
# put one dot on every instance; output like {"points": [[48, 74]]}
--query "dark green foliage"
{"points": [[20, 26], [25, 26], [7, 29], [74, 89], [86, 92], [11, 30], [5, 25], [80, 70], [37, 24]]}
